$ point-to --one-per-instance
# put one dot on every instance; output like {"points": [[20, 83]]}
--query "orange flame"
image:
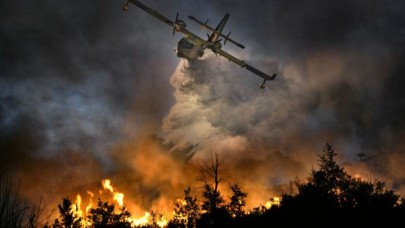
{"points": [[76, 208], [274, 201], [144, 220], [118, 196], [90, 201]]}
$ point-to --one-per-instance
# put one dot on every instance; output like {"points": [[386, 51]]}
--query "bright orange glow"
{"points": [[144, 220], [76, 207], [162, 222], [147, 219], [358, 176], [90, 205], [118, 196], [274, 201]]}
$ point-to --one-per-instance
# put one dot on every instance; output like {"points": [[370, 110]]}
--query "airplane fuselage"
{"points": [[189, 49]]}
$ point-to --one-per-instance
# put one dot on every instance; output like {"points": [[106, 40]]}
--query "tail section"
{"points": [[218, 30], [219, 27]]}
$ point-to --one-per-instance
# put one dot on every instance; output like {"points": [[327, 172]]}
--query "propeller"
{"points": [[218, 41], [175, 23], [227, 37]]}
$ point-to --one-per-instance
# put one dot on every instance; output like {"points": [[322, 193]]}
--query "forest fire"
{"points": [[160, 219], [118, 197], [274, 201], [213, 203]]}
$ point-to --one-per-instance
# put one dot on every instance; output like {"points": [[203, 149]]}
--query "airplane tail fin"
{"points": [[216, 33], [221, 24], [210, 37]]}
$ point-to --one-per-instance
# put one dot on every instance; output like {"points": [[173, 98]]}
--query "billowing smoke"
{"points": [[85, 95], [323, 99]]}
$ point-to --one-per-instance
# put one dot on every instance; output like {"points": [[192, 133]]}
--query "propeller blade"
{"points": [[217, 41], [175, 22]]}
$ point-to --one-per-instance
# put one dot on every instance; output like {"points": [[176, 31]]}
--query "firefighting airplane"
{"points": [[192, 46]]}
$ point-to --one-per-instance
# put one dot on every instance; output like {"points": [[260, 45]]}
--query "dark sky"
{"points": [[80, 79]]}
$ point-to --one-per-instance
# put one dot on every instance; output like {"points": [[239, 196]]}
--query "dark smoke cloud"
{"points": [[340, 79], [80, 77]]}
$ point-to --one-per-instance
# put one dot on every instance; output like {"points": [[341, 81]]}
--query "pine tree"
{"points": [[238, 201], [187, 212], [104, 216], [68, 215]]}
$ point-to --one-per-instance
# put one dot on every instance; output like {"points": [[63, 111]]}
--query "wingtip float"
{"points": [[192, 46]]}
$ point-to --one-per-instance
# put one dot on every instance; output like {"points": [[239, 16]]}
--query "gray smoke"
{"points": [[79, 78]]}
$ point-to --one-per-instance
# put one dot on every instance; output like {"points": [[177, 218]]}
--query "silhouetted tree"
{"points": [[104, 216], [238, 201], [332, 195], [68, 214], [14, 212], [187, 212], [216, 213]]}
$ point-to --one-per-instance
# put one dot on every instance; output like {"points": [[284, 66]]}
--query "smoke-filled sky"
{"points": [[88, 91]]}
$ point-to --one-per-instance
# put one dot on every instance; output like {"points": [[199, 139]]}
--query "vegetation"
{"points": [[328, 197], [68, 215], [14, 212], [187, 212], [331, 195]]}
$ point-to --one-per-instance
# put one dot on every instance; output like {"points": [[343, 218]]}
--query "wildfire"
{"points": [[144, 220], [274, 201], [148, 218], [90, 205], [76, 208], [358, 177], [118, 196]]}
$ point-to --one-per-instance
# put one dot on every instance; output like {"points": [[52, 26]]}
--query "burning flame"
{"points": [[118, 196], [76, 208], [90, 201], [146, 219], [274, 201]]}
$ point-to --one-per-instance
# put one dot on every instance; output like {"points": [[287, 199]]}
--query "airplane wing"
{"points": [[152, 12], [244, 65], [174, 24]]}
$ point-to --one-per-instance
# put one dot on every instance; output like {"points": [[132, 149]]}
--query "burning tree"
{"points": [[69, 215], [215, 210], [238, 201], [104, 216], [186, 212]]}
